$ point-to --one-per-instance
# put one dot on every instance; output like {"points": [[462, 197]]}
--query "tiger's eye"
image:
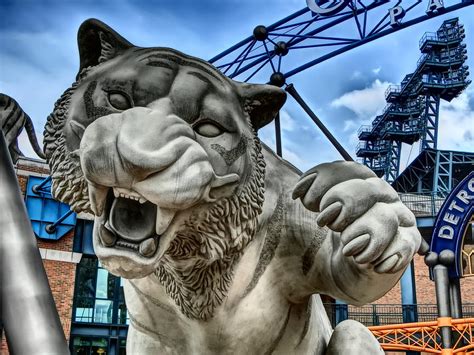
{"points": [[119, 101], [207, 129]]}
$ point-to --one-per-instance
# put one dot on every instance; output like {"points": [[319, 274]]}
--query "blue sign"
{"points": [[452, 221]]}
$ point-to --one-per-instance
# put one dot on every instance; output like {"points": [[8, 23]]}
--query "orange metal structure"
{"points": [[426, 337]]}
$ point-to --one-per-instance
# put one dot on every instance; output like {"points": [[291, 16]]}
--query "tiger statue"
{"points": [[225, 247], [12, 121]]}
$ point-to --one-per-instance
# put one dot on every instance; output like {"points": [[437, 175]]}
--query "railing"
{"points": [[386, 314], [422, 205], [447, 59], [412, 107], [427, 336], [392, 89], [406, 80], [96, 310], [410, 128], [365, 128], [455, 34], [380, 163], [377, 121], [422, 59], [377, 146], [428, 36], [455, 79]]}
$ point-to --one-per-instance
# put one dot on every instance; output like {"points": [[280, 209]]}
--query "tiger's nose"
{"points": [[150, 140], [163, 105], [119, 149]]}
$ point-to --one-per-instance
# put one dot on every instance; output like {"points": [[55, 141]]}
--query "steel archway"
{"points": [[314, 29], [271, 47]]}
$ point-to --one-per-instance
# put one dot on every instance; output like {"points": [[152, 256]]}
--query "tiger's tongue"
{"points": [[133, 220]]}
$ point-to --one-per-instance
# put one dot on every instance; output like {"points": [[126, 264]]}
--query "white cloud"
{"points": [[350, 125], [456, 123], [296, 159], [287, 123], [356, 75], [365, 103], [377, 70]]}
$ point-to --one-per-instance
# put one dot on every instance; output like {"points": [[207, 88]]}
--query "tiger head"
{"points": [[162, 148]]}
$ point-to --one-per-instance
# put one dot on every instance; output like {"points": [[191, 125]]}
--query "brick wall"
{"points": [[425, 288], [61, 276], [64, 244], [394, 296]]}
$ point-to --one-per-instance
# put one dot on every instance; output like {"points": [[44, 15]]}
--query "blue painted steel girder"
{"points": [[306, 30]]}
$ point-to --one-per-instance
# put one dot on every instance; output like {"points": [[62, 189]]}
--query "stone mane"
{"points": [[197, 269], [68, 181]]}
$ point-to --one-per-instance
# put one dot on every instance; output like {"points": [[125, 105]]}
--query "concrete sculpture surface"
{"points": [[225, 246]]}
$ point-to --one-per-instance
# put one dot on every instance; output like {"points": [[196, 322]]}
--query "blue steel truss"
{"points": [[49, 218], [276, 48], [435, 172], [412, 111]]}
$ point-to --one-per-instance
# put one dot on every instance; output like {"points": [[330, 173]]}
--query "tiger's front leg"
{"points": [[373, 235]]}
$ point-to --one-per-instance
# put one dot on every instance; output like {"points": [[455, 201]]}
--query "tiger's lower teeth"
{"points": [[127, 245]]}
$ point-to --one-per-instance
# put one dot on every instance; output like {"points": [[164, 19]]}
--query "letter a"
{"points": [[434, 5]]}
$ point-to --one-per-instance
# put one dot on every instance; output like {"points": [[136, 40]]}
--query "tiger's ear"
{"points": [[262, 102], [98, 43]]}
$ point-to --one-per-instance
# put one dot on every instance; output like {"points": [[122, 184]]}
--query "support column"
{"points": [[407, 285], [429, 139], [409, 309], [439, 265], [278, 135], [342, 312]]}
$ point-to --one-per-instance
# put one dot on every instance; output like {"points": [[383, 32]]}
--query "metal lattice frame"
{"points": [[426, 336], [433, 171], [429, 139], [394, 158]]}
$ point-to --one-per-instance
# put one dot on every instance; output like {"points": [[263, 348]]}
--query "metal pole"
{"points": [[278, 135], [29, 314], [455, 295], [292, 91], [456, 306], [440, 273]]}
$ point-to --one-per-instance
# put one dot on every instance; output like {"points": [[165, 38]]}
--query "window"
{"points": [[89, 346], [467, 251], [98, 295]]}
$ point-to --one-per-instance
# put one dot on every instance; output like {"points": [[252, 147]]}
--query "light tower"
{"points": [[412, 114]]}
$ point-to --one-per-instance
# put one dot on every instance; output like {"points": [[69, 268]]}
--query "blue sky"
{"points": [[39, 60]]}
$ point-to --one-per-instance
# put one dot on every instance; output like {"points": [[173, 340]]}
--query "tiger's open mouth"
{"points": [[131, 223]]}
